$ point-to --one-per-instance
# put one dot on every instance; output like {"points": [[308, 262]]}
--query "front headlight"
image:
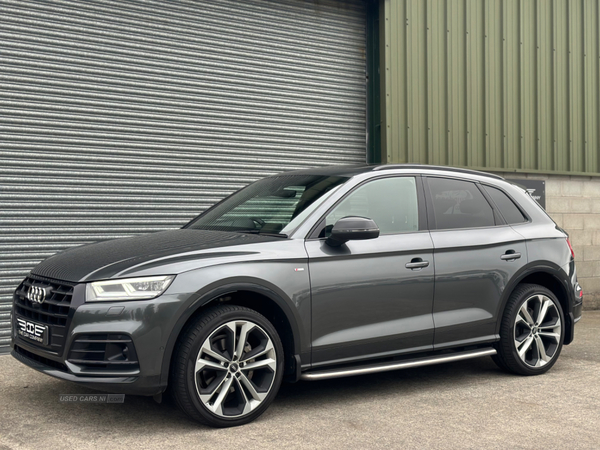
{"points": [[143, 288]]}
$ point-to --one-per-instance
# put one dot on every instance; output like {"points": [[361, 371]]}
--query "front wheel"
{"points": [[532, 331], [228, 366]]}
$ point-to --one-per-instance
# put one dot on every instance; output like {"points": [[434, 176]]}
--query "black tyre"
{"points": [[227, 367], [532, 331]]}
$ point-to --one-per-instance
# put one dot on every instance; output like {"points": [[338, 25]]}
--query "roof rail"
{"points": [[430, 167]]}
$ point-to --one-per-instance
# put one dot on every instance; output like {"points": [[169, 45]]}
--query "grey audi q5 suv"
{"points": [[307, 275]]}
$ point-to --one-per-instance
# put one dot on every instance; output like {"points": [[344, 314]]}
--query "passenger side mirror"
{"points": [[350, 229]]}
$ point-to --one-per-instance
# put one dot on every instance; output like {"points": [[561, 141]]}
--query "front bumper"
{"points": [[148, 324], [116, 385]]}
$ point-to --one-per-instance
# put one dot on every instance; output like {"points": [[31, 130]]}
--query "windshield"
{"points": [[274, 205]]}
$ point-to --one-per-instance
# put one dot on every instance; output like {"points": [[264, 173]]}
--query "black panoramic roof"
{"points": [[350, 171]]}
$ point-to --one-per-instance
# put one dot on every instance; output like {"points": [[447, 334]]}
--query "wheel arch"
{"points": [[265, 300], [550, 276]]}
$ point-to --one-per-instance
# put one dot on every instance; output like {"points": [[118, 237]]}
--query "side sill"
{"points": [[396, 365]]}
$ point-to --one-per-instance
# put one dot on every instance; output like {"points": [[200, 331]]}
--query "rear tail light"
{"points": [[571, 248]]}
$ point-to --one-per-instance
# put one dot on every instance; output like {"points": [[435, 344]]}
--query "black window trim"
{"points": [[314, 232], [527, 217], [498, 218]]}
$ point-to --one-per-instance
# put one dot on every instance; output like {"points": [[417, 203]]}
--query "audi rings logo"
{"points": [[37, 294]]}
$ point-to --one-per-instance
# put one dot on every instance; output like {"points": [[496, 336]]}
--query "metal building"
{"points": [[125, 117], [505, 85], [119, 118]]}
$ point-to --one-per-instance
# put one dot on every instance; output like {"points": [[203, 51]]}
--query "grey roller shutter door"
{"points": [[119, 118]]}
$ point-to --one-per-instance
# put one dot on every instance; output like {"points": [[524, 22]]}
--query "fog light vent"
{"points": [[112, 352]]}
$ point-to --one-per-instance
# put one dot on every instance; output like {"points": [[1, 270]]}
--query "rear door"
{"points": [[476, 254], [366, 302]]}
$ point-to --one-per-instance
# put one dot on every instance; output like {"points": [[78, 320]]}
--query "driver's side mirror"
{"points": [[352, 228]]}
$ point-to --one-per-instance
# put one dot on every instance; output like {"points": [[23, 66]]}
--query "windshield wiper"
{"points": [[263, 233]]}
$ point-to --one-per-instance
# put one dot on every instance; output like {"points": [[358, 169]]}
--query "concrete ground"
{"points": [[469, 404]]}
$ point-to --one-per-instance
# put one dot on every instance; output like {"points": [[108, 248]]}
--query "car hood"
{"points": [[108, 259]]}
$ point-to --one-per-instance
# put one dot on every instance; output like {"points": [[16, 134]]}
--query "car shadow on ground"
{"points": [[143, 414]]}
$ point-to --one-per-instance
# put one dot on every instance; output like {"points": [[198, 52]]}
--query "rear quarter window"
{"points": [[511, 213]]}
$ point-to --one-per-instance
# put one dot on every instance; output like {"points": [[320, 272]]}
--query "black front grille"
{"points": [[114, 352], [53, 311]]}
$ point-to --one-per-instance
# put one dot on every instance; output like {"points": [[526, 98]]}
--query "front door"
{"points": [[366, 301]]}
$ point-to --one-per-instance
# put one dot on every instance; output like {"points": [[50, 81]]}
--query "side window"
{"points": [[507, 208], [459, 204], [390, 202]]}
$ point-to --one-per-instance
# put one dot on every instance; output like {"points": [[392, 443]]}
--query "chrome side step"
{"points": [[396, 365]]}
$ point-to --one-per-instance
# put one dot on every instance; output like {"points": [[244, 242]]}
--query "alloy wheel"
{"points": [[537, 331], [235, 369]]}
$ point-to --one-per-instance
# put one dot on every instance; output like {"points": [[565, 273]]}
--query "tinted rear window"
{"points": [[459, 204], [510, 211]]}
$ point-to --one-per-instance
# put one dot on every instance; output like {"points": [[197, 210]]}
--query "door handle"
{"points": [[510, 255], [416, 263]]}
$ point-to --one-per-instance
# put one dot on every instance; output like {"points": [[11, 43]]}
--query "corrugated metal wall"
{"points": [[496, 84], [119, 118]]}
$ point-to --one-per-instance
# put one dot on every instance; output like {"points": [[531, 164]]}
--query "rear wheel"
{"points": [[532, 331], [228, 366]]}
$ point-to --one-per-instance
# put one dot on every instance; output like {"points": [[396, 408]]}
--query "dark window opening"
{"points": [[459, 204]]}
